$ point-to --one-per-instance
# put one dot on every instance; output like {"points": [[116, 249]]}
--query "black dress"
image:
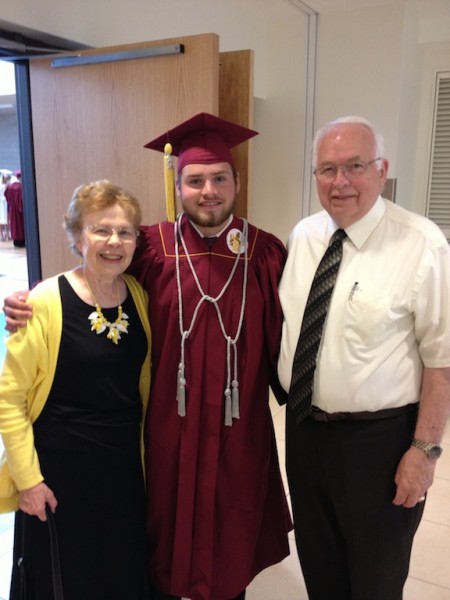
{"points": [[88, 442]]}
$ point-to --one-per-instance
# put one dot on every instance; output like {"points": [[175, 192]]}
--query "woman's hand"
{"points": [[34, 500]]}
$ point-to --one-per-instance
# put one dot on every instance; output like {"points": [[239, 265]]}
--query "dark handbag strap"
{"points": [[54, 552], [54, 557], [22, 591]]}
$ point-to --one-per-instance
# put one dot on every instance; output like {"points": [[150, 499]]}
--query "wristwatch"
{"points": [[430, 449]]}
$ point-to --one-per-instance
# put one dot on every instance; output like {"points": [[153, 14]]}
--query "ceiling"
{"points": [[321, 6], [20, 42]]}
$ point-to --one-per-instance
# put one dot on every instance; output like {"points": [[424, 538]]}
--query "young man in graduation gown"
{"points": [[217, 511]]}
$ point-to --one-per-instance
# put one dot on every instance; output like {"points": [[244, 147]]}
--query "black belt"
{"points": [[324, 417]]}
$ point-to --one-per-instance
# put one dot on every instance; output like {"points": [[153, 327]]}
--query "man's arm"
{"points": [[17, 311], [415, 472]]}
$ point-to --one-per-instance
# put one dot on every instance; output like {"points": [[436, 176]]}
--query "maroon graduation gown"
{"points": [[13, 195], [217, 511]]}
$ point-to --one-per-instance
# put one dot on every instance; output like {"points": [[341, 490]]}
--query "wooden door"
{"points": [[91, 122]]}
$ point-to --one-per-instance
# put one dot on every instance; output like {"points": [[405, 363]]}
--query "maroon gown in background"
{"points": [[217, 511], [13, 195]]}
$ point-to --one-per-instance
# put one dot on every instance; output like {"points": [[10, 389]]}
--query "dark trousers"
{"points": [[160, 596], [353, 543]]}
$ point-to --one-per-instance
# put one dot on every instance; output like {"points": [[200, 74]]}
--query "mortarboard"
{"points": [[202, 139]]}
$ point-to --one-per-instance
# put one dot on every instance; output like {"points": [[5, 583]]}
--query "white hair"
{"points": [[377, 135]]}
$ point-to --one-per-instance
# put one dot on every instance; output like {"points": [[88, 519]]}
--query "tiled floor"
{"points": [[429, 574]]}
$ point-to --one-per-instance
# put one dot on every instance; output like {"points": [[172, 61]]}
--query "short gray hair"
{"points": [[377, 135]]}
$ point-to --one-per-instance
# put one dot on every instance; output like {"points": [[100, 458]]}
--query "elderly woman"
{"points": [[73, 394]]}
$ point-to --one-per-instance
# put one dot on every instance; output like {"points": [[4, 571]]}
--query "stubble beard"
{"points": [[212, 220]]}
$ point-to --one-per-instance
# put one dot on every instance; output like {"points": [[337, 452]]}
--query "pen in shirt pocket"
{"points": [[354, 289]]}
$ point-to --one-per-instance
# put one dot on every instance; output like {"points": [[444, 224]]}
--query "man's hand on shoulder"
{"points": [[17, 311]]}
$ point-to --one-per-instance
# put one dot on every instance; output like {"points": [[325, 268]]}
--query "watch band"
{"points": [[428, 448]]}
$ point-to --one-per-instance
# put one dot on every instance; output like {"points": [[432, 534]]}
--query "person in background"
{"points": [[73, 394], [216, 508], [361, 457], [4, 221], [13, 195]]}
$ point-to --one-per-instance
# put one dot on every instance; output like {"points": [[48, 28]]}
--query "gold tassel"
{"points": [[169, 184]]}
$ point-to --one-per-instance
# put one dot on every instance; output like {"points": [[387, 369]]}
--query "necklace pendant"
{"points": [[99, 324]]}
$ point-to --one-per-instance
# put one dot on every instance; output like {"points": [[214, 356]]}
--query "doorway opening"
{"points": [[18, 45]]}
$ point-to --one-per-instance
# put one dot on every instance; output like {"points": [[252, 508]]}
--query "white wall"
{"points": [[372, 61], [359, 64], [278, 153], [426, 50], [379, 62]]}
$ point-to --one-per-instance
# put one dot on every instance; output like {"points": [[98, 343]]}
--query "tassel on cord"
{"points": [[235, 388], [227, 393], [235, 400], [169, 184], [228, 419], [181, 391]]}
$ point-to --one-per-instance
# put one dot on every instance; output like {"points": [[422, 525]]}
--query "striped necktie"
{"points": [[304, 364]]}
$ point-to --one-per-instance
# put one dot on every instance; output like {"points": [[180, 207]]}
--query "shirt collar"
{"points": [[360, 231]]}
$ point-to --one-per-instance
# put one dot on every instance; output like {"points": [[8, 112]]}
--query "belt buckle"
{"points": [[324, 417]]}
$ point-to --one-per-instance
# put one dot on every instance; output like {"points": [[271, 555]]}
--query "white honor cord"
{"points": [[232, 387]]}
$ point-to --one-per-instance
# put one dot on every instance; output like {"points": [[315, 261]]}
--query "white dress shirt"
{"points": [[389, 313]]}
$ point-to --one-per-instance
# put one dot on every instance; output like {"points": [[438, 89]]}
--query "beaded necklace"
{"points": [[231, 392], [99, 322]]}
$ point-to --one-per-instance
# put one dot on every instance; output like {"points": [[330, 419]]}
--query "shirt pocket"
{"points": [[369, 318]]}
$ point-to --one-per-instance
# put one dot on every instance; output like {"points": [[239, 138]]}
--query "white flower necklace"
{"points": [[99, 323]]}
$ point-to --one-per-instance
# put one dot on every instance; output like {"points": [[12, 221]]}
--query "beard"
{"points": [[209, 219]]}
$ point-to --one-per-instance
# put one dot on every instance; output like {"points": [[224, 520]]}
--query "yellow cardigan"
{"points": [[27, 378]]}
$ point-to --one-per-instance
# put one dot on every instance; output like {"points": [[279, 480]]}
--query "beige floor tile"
{"points": [[283, 581], [419, 590], [446, 438], [279, 419], [437, 509], [443, 464], [430, 555]]}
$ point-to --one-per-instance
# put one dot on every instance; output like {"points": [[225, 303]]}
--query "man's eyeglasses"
{"points": [[103, 233], [351, 170]]}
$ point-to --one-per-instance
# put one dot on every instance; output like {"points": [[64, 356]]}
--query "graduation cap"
{"points": [[202, 139]]}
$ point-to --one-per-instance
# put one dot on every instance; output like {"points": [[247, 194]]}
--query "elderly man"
{"points": [[365, 357]]}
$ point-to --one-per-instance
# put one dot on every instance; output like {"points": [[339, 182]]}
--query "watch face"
{"points": [[430, 449], [435, 452]]}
